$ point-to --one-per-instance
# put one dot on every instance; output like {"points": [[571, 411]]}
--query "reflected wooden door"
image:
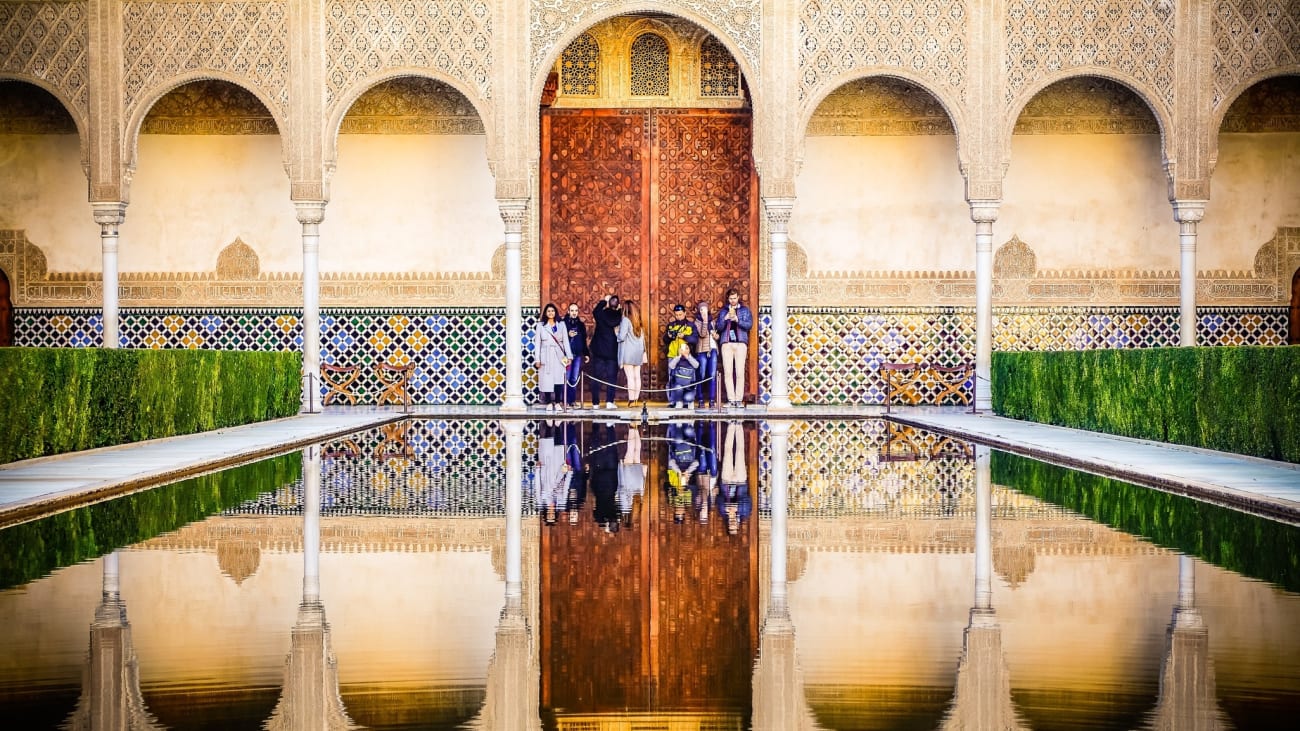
{"points": [[6, 313], [659, 205]]}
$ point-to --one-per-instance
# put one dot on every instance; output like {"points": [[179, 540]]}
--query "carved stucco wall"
{"points": [[1251, 38], [49, 42], [738, 22]]}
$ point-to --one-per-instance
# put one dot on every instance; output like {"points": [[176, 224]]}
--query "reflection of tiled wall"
{"points": [[836, 353]]}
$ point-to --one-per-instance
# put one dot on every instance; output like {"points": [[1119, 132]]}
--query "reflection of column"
{"points": [[109, 216], [1187, 688], [780, 515], [982, 699], [513, 213], [778, 226], [310, 696], [983, 213], [110, 688], [514, 509], [310, 214], [1187, 214]]}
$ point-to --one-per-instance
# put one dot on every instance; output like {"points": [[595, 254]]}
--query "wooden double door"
{"points": [[655, 205]]}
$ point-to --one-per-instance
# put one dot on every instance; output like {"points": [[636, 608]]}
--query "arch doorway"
{"points": [[648, 190], [7, 313], [1293, 338]]}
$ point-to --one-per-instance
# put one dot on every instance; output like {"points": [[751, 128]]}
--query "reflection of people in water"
{"points": [[602, 462], [734, 501], [573, 457], [553, 474], [706, 477], [631, 475], [683, 461]]}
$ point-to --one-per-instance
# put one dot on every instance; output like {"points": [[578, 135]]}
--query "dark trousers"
{"points": [[572, 375], [606, 370]]}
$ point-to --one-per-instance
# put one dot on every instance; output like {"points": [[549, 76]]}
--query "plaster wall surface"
{"points": [[1255, 189], [43, 190], [195, 194], [1090, 202], [420, 203], [882, 203]]}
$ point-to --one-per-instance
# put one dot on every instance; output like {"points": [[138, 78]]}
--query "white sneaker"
{"points": [[610, 405]]}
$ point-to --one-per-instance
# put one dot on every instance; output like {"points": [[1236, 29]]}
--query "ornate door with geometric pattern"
{"points": [[657, 205]]}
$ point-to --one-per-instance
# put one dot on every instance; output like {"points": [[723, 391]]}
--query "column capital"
{"points": [[984, 211], [310, 213], [111, 213], [778, 212], [1189, 211], [514, 213]]}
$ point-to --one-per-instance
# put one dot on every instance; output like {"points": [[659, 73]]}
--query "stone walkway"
{"points": [[34, 487]]}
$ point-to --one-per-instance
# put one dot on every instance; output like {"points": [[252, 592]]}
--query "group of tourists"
{"points": [[695, 345], [707, 474]]}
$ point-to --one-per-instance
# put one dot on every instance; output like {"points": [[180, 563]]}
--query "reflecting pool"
{"points": [[689, 575]]}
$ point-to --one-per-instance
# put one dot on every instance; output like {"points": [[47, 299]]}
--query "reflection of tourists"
{"points": [[552, 475], [734, 502], [553, 357], [683, 370], [573, 457], [631, 349], [683, 461], [631, 475], [733, 325], [604, 350], [602, 478], [578, 347], [707, 353]]}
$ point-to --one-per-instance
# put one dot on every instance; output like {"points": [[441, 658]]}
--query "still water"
{"points": [[686, 576]]}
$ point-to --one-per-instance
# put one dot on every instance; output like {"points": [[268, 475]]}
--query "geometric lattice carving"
{"points": [[27, 109], [451, 36], [1251, 37], [247, 39], [1135, 37], [927, 37], [412, 105], [719, 72], [880, 105], [649, 66], [1272, 105], [1086, 105], [580, 67], [739, 21], [238, 261], [48, 41], [1014, 259], [209, 107]]}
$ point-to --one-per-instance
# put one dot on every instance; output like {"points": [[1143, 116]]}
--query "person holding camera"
{"points": [[733, 325]]}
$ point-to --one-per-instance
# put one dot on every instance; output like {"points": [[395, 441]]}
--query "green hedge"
{"points": [[58, 400], [1238, 399], [1256, 547], [32, 550]]}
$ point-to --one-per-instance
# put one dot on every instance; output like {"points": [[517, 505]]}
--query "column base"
{"points": [[779, 404], [983, 403], [514, 405]]}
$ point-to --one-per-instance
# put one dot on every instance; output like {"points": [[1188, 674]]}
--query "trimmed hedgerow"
{"points": [[31, 550], [59, 400], [1234, 399], [1256, 547]]}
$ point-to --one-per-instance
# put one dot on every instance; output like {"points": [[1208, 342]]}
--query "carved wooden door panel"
{"points": [[658, 205], [6, 313]]}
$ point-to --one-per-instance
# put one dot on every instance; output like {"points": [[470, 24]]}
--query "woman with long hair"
{"points": [[553, 357], [631, 349], [707, 353]]}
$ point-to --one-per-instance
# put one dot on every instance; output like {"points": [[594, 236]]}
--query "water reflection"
{"points": [[1187, 692]]}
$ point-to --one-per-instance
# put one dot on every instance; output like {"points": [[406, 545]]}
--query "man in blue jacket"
{"points": [[733, 325]]}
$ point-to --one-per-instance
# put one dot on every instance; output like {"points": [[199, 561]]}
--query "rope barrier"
{"points": [[665, 390]]}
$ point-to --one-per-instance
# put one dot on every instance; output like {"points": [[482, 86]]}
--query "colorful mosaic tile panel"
{"points": [[836, 353], [413, 468]]}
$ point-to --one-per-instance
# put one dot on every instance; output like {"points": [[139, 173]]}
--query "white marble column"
{"points": [[983, 213], [780, 517], [1187, 214], [514, 510], [112, 580], [514, 213], [311, 467], [310, 215], [109, 216], [778, 212], [983, 530]]}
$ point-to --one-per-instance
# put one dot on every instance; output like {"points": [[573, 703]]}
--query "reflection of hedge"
{"points": [[31, 550], [1256, 547], [65, 399], [1238, 399]]}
